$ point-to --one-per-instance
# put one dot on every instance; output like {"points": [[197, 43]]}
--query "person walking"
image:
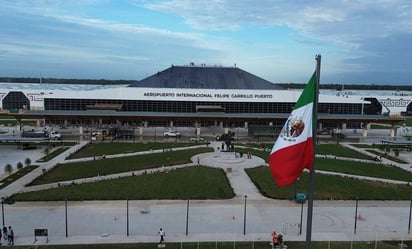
{"points": [[10, 236], [162, 235], [5, 233]]}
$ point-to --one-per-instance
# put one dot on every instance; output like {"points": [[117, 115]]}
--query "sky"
{"points": [[360, 41]]}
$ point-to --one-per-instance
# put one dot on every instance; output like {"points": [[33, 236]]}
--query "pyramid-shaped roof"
{"points": [[205, 77]]}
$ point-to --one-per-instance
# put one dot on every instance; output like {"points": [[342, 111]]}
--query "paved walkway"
{"points": [[207, 220], [18, 186]]}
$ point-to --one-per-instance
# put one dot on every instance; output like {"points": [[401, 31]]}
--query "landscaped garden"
{"points": [[326, 187], [195, 182], [71, 171]]}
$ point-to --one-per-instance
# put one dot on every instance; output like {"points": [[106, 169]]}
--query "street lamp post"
{"points": [[244, 217], [127, 216], [65, 212], [2, 210], [409, 225], [356, 215], [301, 217], [187, 216]]}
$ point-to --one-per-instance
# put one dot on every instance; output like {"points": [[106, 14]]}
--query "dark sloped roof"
{"points": [[205, 77]]}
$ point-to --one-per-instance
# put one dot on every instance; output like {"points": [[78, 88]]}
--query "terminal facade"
{"points": [[190, 96]]}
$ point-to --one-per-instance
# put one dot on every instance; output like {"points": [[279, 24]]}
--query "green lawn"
{"points": [[408, 121], [380, 126], [108, 166], [364, 169], [107, 148], [13, 123], [329, 187], [362, 146], [340, 151], [196, 182], [53, 154], [321, 149]]}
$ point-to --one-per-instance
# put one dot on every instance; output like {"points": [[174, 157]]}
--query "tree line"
{"points": [[66, 81], [128, 82]]}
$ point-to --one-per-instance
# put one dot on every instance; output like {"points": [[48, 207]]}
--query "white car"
{"points": [[197, 139], [55, 135], [171, 134]]}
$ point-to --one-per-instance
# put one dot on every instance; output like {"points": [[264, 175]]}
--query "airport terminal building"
{"points": [[190, 96]]}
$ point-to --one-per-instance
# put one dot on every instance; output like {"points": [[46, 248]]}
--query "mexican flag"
{"points": [[293, 150]]}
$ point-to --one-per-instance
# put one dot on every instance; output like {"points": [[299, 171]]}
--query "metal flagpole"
{"points": [[312, 172]]}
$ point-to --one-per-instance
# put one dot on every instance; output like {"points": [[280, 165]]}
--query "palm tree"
{"points": [[27, 161], [19, 166], [8, 168]]}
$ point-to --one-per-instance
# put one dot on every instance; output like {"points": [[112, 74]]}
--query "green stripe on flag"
{"points": [[308, 94]]}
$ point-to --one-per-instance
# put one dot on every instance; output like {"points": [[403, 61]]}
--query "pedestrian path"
{"points": [[407, 156], [234, 164], [18, 185]]}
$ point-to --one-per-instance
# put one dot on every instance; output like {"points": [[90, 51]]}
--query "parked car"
{"points": [[171, 134], [55, 135], [197, 139]]}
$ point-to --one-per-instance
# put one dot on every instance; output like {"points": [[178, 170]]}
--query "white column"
{"points": [[365, 131], [393, 131]]}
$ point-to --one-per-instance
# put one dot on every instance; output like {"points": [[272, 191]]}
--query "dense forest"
{"points": [[350, 86], [127, 82], [67, 81]]}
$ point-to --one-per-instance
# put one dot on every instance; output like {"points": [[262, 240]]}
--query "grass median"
{"points": [[105, 148], [321, 149], [328, 187], [194, 182], [349, 166], [72, 171]]}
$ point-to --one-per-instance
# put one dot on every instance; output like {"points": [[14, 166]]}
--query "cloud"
{"points": [[342, 22], [353, 36], [51, 36]]}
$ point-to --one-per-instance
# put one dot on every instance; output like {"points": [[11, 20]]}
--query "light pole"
{"points": [[301, 216], [2, 210], [127, 216], [187, 216], [244, 217], [65, 211], [409, 225], [356, 215]]}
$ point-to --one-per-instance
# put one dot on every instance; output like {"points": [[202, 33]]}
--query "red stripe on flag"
{"points": [[287, 164]]}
